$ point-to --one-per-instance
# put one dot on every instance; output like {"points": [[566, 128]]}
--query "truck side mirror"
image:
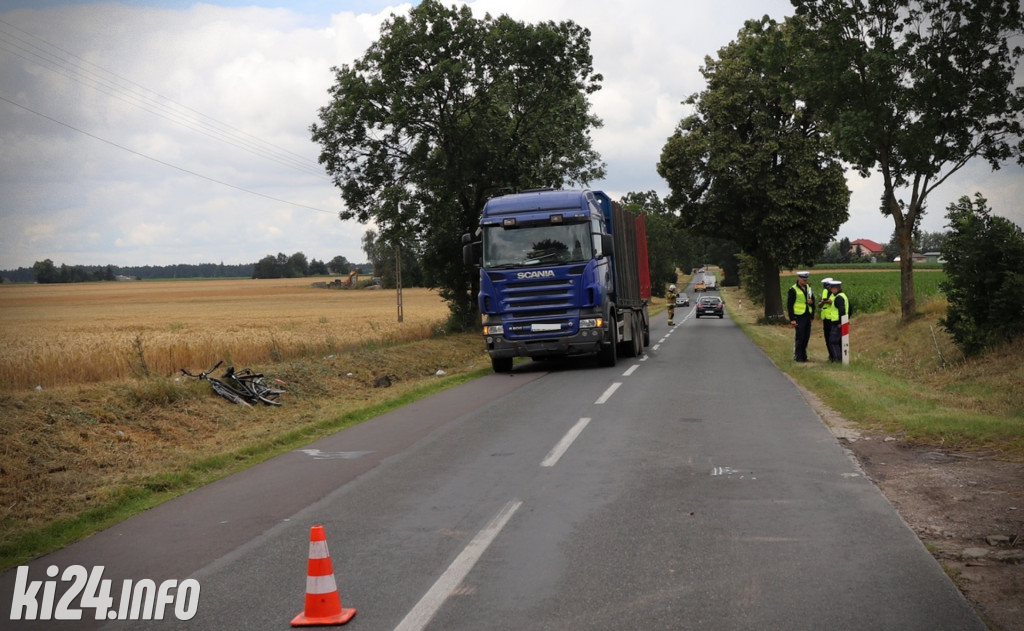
{"points": [[470, 250], [607, 245]]}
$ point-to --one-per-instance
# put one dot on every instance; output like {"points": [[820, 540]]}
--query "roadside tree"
{"points": [[751, 165], [445, 110], [915, 90], [984, 279]]}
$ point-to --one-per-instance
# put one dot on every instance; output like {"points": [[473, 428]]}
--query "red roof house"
{"points": [[866, 247]]}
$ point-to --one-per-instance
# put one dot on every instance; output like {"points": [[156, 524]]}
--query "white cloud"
{"points": [[162, 101]]}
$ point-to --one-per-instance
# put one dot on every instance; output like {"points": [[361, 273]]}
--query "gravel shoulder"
{"points": [[967, 508]]}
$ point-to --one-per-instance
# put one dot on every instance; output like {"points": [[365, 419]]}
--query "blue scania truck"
{"points": [[562, 273]]}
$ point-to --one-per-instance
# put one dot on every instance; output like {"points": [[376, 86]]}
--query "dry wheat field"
{"points": [[55, 335]]}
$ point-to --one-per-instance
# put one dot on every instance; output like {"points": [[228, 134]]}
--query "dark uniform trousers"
{"points": [[827, 326], [802, 336]]}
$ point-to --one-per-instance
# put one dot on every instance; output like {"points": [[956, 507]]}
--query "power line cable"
{"points": [[77, 69], [157, 160]]}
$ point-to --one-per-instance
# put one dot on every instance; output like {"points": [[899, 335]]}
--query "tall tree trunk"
{"points": [[907, 302], [773, 306], [905, 238]]}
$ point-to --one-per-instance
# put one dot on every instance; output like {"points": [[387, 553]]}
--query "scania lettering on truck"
{"points": [[562, 273]]}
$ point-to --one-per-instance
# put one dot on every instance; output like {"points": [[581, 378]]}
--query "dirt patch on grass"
{"points": [[967, 508]]}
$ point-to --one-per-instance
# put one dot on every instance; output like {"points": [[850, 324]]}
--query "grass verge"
{"points": [[82, 459], [907, 379]]}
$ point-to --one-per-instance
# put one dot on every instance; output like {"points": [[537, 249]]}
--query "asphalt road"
{"points": [[692, 488]]}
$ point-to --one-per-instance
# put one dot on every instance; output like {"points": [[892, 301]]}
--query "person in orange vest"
{"points": [[800, 305]]}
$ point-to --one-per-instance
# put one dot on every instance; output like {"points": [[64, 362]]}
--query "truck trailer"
{"points": [[562, 273]]}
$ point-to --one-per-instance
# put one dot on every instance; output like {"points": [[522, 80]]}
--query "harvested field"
{"points": [[53, 335], [115, 429]]}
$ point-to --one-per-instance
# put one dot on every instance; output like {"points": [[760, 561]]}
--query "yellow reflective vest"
{"points": [[800, 303], [846, 305], [830, 311]]}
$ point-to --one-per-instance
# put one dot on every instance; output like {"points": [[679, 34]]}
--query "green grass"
{"points": [[872, 291], [874, 266], [906, 380]]}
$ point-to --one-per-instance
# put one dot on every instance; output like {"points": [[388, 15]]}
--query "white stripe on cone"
{"points": [[321, 584], [318, 550]]}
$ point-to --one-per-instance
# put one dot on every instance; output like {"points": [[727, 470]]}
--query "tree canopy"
{"points": [[751, 165], [283, 266], [443, 111], [385, 259], [984, 282], [914, 89]]}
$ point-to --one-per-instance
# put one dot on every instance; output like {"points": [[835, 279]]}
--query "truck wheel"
{"points": [[631, 347], [638, 340], [501, 364], [608, 354]]}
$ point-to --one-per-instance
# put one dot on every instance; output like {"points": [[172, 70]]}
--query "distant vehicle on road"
{"points": [[700, 286], [710, 305], [682, 300], [710, 282]]}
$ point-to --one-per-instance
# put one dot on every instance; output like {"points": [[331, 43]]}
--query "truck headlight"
{"points": [[494, 329], [592, 323]]}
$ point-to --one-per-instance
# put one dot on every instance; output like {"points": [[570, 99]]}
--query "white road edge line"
{"points": [[608, 393], [424, 611], [563, 445]]}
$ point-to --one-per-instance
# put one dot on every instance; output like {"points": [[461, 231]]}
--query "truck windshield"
{"points": [[540, 245]]}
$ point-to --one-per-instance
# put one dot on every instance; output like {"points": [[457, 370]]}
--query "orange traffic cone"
{"points": [[323, 605]]}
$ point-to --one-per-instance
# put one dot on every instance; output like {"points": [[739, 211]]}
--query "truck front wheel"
{"points": [[608, 354]]}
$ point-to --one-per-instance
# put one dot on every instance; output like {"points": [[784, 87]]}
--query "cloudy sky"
{"points": [[169, 131]]}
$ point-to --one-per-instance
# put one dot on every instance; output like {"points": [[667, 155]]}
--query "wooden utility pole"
{"points": [[398, 278]]}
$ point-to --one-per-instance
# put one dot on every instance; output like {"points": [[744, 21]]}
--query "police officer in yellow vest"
{"points": [[800, 305], [829, 316], [840, 308], [670, 300]]}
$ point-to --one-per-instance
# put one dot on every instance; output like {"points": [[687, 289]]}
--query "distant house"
{"points": [[916, 257], [934, 257], [866, 247]]}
